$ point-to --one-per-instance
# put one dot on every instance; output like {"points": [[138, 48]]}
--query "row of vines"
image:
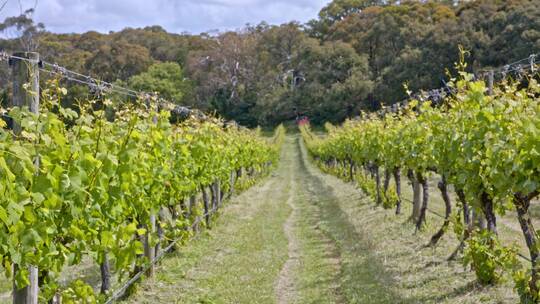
{"points": [[88, 183], [484, 142]]}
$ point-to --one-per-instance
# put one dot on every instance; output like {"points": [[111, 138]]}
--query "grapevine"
{"points": [[99, 181], [483, 143]]}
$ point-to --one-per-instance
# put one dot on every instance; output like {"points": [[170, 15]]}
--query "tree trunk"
{"points": [[448, 211], [468, 225], [219, 193], [192, 202], [378, 183], [425, 198], [522, 204], [478, 220], [206, 202], [239, 173], [183, 210], [192, 206], [466, 210], [213, 196], [105, 270], [416, 196], [386, 182], [489, 213], [397, 179], [351, 170]]}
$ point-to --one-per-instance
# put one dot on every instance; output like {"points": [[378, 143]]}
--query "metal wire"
{"points": [[436, 95], [113, 89], [429, 210], [63, 72], [69, 73], [441, 216], [101, 87]]}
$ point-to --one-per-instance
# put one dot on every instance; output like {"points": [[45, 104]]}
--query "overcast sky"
{"points": [[195, 16]]}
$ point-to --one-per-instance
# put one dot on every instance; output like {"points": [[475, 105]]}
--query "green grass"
{"points": [[360, 277], [317, 275], [236, 262]]}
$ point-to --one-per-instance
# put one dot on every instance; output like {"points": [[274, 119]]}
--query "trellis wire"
{"points": [[118, 293]]}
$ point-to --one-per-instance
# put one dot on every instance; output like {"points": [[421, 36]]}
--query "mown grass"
{"points": [[237, 261], [397, 259], [361, 278], [317, 277]]}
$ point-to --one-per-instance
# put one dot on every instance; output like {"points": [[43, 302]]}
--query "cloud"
{"points": [[194, 16]]}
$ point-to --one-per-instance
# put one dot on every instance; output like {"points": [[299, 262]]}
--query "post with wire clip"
{"points": [[532, 58], [25, 73], [491, 79]]}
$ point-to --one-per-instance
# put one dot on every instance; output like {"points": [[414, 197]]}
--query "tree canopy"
{"points": [[167, 78], [356, 55]]}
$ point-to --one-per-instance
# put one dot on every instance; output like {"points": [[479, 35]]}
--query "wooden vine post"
{"points": [[192, 206], [416, 196], [486, 219], [158, 222], [149, 250], [160, 232], [215, 190], [491, 79], [25, 73], [105, 270], [231, 183]]}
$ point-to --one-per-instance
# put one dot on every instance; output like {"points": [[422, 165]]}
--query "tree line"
{"points": [[356, 55]]}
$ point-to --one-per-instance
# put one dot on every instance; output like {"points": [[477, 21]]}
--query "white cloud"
{"points": [[174, 15]]}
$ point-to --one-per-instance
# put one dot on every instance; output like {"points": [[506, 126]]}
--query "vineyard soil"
{"points": [[302, 236]]}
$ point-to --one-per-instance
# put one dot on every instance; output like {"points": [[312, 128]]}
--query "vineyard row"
{"points": [[113, 182], [484, 142]]}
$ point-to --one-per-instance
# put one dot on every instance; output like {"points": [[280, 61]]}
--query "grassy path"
{"points": [[302, 236], [270, 245]]}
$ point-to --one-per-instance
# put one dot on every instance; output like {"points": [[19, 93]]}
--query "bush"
{"points": [[488, 258], [390, 198]]}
